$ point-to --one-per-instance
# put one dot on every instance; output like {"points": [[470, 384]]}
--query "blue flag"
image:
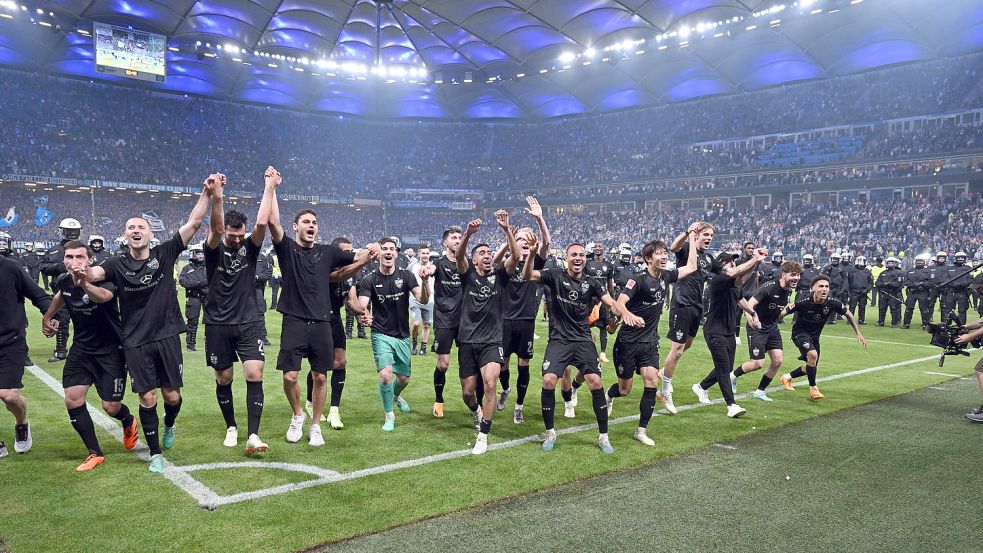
{"points": [[43, 217], [10, 219]]}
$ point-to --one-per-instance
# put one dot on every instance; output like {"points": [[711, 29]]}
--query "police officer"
{"points": [[860, 284], [274, 280], [836, 281], [809, 272], [53, 266], [939, 266], [919, 283], [98, 246], [624, 268], [264, 273], [768, 272], [194, 280], [31, 261], [875, 272], [7, 249], [954, 283], [889, 287]]}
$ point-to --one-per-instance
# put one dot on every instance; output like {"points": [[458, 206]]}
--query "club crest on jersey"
{"points": [[630, 285], [153, 265], [583, 287], [85, 299], [242, 251], [398, 282], [491, 280]]}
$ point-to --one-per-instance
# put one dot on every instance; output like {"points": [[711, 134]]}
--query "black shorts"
{"points": [[155, 365], [471, 357], [304, 338], [630, 357], [684, 321], [106, 370], [603, 316], [443, 339], [762, 341], [226, 344], [805, 343], [560, 354], [338, 333], [12, 359], [517, 338]]}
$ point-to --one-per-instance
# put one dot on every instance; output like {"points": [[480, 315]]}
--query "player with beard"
{"points": [[422, 314], [602, 271], [768, 301], [570, 341], [232, 315], [447, 312], [521, 305], [388, 290], [721, 325], [480, 353], [96, 355], [306, 305], [636, 349], [813, 314], [151, 317], [686, 307]]}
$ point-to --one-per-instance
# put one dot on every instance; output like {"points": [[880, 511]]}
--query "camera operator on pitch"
{"points": [[974, 332]]}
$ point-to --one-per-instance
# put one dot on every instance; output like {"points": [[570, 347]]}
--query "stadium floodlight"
{"points": [[40, 11], [567, 57], [684, 31], [700, 27], [590, 52]]}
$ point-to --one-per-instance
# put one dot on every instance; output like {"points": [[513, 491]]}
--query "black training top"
{"points": [[96, 325], [572, 302], [723, 312], [389, 296], [813, 316], [481, 306], [231, 284], [646, 299], [772, 298], [689, 290], [447, 294], [305, 274]]}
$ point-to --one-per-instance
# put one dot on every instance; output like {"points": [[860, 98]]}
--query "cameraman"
{"points": [[975, 331]]}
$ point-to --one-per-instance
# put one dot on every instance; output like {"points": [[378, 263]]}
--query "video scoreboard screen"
{"points": [[128, 53]]}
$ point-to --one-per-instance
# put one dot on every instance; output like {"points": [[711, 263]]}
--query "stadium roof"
{"points": [[523, 58]]}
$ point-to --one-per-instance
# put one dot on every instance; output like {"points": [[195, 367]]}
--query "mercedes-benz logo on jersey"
{"points": [[455, 277], [145, 279], [573, 295], [484, 290], [153, 265]]}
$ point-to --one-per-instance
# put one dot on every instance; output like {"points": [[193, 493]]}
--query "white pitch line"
{"points": [[869, 340], [198, 491], [208, 499], [725, 446], [944, 374], [938, 388]]}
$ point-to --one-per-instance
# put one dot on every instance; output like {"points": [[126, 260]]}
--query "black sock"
{"points": [[480, 390], [254, 405], [484, 426], [577, 385], [123, 415], [224, 395], [614, 390], [739, 371], [472, 406], [567, 395], [522, 383], [439, 379], [548, 398], [797, 373], [646, 406], [337, 385], [604, 340], [171, 411], [765, 382], [82, 423], [150, 424], [503, 378], [811, 373], [600, 409], [310, 386]]}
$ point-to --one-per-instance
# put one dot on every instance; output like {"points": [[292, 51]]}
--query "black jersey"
{"points": [[15, 285], [231, 275], [306, 272], [723, 312], [389, 296], [96, 325], [689, 290], [447, 294], [772, 298], [147, 293], [599, 270], [813, 316], [646, 299], [573, 300], [522, 297], [481, 306], [339, 294]]}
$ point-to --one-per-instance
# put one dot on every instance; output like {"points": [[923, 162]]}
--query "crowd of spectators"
{"points": [[58, 127]]}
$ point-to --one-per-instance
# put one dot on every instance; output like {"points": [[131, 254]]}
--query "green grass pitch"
{"points": [[120, 506]]}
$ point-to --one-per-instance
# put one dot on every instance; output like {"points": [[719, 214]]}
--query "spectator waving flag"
{"points": [[42, 215], [156, 225], [11, 219]]}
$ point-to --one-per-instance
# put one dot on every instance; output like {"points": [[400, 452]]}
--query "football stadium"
{"points": [[520, 275]]}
